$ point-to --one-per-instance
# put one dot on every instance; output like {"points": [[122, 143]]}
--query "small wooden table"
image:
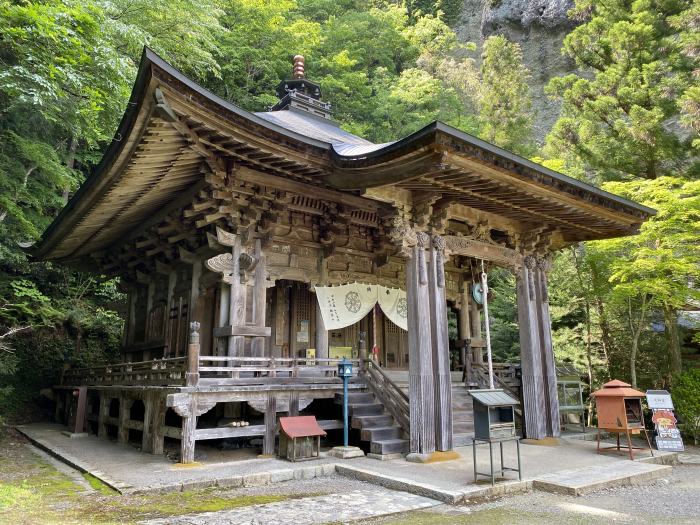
{"points": [[500, 441]]}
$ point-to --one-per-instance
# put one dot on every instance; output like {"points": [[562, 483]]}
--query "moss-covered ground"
{"points": [[33, 492]]}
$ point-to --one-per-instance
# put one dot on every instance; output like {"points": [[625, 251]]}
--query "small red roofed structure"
{"points": [[300, 438], [619, 408]]}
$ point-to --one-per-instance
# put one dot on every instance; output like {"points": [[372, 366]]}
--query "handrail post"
{"points": [[192, 374], [363, 349]]}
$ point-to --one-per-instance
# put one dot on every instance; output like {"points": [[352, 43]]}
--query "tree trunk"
{"points": [[673, 338], [636, 332]]}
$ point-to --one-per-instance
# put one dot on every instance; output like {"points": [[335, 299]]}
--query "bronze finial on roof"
{"points": [[298, 69]]}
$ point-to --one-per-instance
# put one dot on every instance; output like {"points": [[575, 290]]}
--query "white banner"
{"points": [[393, 303], [347, 304]]}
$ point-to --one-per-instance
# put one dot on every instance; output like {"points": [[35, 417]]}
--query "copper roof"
{"points": [[617, 388]]}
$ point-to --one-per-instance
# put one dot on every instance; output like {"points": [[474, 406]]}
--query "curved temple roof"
{"points": [[174, 131]]}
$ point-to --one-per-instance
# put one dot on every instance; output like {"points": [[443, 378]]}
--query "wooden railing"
{"points": [[213, 369], [504, 376], [394, 399], [159, 372]]}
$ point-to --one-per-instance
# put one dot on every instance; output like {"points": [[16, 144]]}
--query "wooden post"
{"points": [[189, 428], [124, 418], [465, 334], [224, 305], [259, 299], [80, 411], [321, 334], [103, 415], [237, 304], [131, 322], [147, 433], [192, 374], [294, 403], [194, 290], [534, 413], [169, 305], [362, 349], [475, 318], [157, 422], [549, 372], [270, 426], [440, 346], [420, 369]]}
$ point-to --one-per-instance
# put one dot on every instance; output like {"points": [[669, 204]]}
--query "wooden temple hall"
{"points": [[258, 249]]}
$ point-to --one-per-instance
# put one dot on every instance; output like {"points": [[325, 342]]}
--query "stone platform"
{"points": [[570, 466]]}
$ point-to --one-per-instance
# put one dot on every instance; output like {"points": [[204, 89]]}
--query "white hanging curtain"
{"points": [[393, 303], [345, 305]]}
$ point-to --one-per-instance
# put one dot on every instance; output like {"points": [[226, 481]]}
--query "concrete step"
{"points": [[373, 421], [365, 409], [389, 446], [355, 397], [380, 433]]}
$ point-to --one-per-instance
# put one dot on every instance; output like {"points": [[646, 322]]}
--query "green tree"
{"points": [[615, 113], [504, 101]]}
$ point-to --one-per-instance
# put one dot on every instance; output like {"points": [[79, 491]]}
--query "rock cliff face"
{"points": [[539, 26]]}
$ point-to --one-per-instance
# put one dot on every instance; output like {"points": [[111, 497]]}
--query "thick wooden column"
{"points": [[237, 306], [440, 346], [222, 321], [534, 410], [124, 418], [475, 318], [549, 372], [420, 366], [465, 334], [270, 426], [259, 299], [189, 428], [321, 334], [103, 414]]}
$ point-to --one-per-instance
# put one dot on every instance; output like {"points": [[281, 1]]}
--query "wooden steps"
{"points": [[376, 427]]}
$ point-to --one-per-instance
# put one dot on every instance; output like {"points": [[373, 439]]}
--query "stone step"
{"points": [[461, 428], [366, 409], [355, 397], [380, 433], [389, 446], [372, 421]]}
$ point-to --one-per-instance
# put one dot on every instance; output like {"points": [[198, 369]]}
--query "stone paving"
{"points": [[351, 506]]}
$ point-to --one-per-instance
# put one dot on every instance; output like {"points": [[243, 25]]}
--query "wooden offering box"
{"points": [[300, 438], [619, 410]]}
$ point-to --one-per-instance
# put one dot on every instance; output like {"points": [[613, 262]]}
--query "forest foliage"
{"points": [[629, 121]]}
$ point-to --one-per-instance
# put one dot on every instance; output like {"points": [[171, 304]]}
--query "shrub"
{"points": [[686, 399]]}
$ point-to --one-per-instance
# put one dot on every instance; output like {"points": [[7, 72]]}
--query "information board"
{"points": [[668, 437]]}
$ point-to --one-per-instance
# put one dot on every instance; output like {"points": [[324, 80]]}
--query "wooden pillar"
{"points": [[534, 413], [321, 334], [440, 345], [103, 414], [294, 403], [147, 433], [131, 321], [549, 372], [475, 318], [124, 418], [270, 426], [189, 428], [192, 312], [80, 411], [157, 422], [237, 303], [259, 299], [465, 334], [224, 298], [172, 281], [192, 374], [420, 366]]}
